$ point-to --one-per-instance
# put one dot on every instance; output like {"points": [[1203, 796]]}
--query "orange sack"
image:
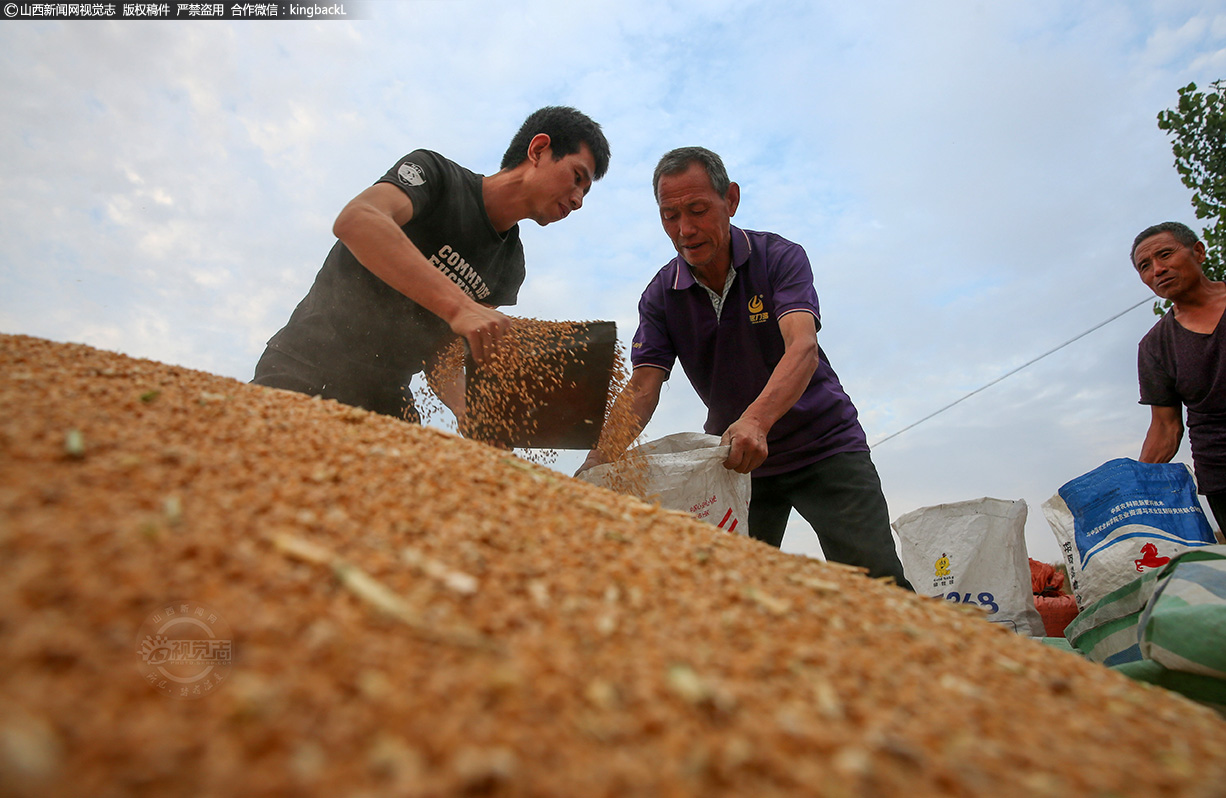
{"points": [[1056, 607]]}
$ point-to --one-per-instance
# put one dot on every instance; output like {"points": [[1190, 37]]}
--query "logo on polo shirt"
{"points": [[756, 313], [411, 174]]}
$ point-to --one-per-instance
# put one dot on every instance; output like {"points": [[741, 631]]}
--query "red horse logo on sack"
{"points": [[1150, 558]]}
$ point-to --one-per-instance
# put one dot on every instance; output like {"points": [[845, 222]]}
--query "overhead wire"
{"points": [[1011, 373]]}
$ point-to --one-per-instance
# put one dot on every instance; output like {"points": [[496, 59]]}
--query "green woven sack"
{"points": [[1183, 627], [1106, 631], [1201, 689], [1167, 627]]}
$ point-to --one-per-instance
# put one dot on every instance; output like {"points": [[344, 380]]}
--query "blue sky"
{"points": [[966, 177]]}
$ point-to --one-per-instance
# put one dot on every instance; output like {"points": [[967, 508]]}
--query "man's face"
{"points": [[559, 186], [696, 218], [1168, 267]]}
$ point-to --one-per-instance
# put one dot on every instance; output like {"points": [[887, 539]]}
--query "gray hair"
{"points": [[1182, 233], [677, 161]]}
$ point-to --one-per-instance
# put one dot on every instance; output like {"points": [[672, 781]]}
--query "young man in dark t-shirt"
{"points": [[1181, 361], [427, 253]]}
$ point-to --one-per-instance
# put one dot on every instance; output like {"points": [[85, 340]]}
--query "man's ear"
{"points": [[539, 144], [733, 198], [1198, 249]]}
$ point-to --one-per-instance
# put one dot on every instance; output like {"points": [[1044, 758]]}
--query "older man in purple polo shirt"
{"points": [[739, 310]]}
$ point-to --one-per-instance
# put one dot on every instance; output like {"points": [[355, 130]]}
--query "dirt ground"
{"points": [[377, 608]]}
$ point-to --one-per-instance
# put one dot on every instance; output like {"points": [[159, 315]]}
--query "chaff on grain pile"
{"points": [[501, 629]]}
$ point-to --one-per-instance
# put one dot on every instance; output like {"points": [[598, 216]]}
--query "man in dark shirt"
{"points": [[425, 254], [738, 309], [1181, 361]]}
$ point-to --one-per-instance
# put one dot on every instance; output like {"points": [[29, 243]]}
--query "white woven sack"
{"points": [[686, 472], [972, 552]]}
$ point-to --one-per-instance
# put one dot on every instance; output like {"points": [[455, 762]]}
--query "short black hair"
{"points": [[1183, 234], [676, 161], [568, 130]]}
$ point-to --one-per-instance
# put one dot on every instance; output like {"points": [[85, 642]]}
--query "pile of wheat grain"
{"points": [[411, 613]]}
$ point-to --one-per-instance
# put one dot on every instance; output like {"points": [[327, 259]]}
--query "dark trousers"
{"points": [[1217, 504], [841, 499], [375, 389]]}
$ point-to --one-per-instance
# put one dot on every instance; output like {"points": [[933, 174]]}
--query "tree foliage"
{"points": [[1197, 127]]}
